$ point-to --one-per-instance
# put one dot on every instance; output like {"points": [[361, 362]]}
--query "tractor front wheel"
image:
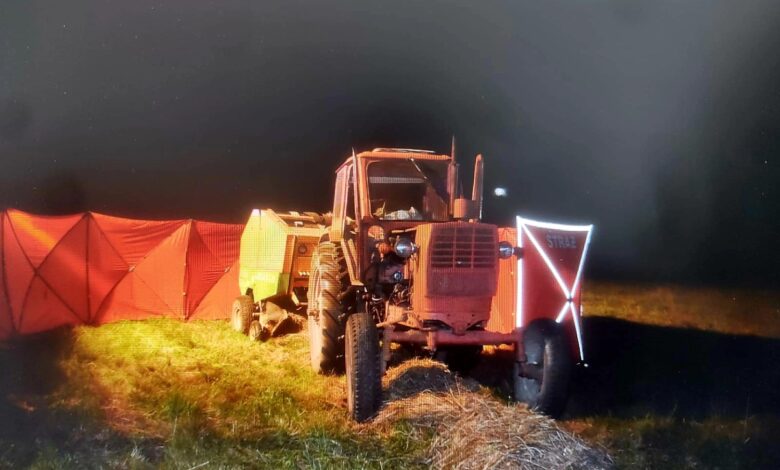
{"points": [[364, 383], [241, 313], [543, 380]]}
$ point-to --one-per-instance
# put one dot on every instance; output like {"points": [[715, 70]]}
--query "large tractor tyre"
{"points": [[241, 313], [460, 359], [364, 382], [326, 312], [543, 380]]}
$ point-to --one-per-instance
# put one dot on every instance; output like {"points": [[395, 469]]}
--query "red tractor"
{"points": [[407, 259]]}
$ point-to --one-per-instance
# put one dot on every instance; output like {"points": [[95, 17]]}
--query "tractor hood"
{"points": [[455, 273]]}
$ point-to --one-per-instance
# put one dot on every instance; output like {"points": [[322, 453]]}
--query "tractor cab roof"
{"points": [[401, 154]]}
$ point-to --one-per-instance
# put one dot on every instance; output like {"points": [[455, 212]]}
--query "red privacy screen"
{"points": [[93, 269]]}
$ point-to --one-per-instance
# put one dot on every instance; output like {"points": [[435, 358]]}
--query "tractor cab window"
{"points": [[344, 203], [350, 210], [408, 190]]}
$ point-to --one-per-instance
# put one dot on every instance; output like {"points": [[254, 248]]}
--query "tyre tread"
{"points": [[329, 311], [364, 381]]}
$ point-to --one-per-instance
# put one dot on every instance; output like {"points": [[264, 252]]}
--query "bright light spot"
{"points": [[500, 192]]}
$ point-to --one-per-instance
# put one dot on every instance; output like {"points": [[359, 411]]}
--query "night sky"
{"points": [[659, 121]]}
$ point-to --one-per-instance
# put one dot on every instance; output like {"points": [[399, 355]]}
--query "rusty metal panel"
{"points": [[503, 307], [455, 272]]}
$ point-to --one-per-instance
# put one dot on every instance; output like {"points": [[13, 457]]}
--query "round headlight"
{"points": [[505, 250], [404, 247]]}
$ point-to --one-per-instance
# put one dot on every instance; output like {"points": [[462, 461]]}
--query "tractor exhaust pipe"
{"points": [[452, 178], [476, 190]]}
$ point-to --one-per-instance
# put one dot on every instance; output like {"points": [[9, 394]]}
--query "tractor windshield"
{"points": [[408, 190]]}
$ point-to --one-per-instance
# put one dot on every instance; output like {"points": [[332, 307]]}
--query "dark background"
{"points": [[656, 120]]}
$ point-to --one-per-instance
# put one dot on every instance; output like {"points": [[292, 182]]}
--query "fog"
{"points": [[658, 121]]}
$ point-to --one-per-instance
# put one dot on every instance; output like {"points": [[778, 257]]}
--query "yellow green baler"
{"points": [[276, 250]]}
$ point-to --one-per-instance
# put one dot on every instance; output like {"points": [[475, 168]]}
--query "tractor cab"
{"points": [[382, 196]]}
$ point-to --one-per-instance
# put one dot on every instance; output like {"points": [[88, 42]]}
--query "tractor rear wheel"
{"points": [[241, 313], [364, 382], [543, 381], [326, 311]]}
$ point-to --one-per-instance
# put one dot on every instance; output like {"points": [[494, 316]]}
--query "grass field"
{"points": [[681, 377], [670, 386], [728, 311], [133, 394]]}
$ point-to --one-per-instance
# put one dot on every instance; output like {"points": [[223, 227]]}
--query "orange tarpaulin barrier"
{"points": [[93, 269]]}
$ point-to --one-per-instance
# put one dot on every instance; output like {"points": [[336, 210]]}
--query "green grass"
{"points": [[176, 395], [731, 311], [205, 375]]}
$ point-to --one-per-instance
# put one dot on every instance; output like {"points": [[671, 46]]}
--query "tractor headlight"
{"points": [[404, 247], [505, 250]]}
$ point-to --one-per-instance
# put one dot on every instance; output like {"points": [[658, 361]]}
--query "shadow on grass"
{"points": [[32, 425], [637, 370], [661, 397], [30, 371], [679, 398]]}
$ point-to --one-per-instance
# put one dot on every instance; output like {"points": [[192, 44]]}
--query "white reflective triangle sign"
{"points": [[568, 292]]}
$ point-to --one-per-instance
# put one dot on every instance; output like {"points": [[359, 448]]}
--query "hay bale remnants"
{"points": [[474, 430], [423, 375]]}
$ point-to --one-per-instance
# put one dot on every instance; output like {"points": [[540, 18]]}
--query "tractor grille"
{"points": [[467, 246]]}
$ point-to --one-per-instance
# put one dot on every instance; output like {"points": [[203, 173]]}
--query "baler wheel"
{"points": [[326, 327], [543, 382], [241, 313], [364, 383], [255, 330]]}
